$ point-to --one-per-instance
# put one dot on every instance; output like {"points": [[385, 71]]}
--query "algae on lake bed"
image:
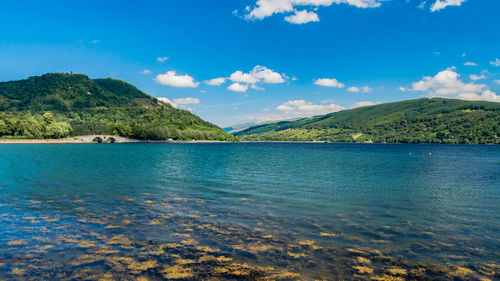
{"points": [[277, 212]]}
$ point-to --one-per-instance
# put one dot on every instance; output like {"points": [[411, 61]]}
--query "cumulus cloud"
{"points": [[161, 59], [302, 108], [293, 109], [447, 84], [327, 82], [469, 63], [266, 8], [242, 81], [239, 76], [441, 4], [475, 77], [180, 103], [258, 74], [364, 89], [364, 103], [170, 78], [216, 81], [146, 71], [496, 62], [301, 17], [237, 87]]}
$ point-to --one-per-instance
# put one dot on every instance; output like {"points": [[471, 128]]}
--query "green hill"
{"points": [[61, 105], [425, 120]]}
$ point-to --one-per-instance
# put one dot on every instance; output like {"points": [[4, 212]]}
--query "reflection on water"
{"points": [[249, 211]]}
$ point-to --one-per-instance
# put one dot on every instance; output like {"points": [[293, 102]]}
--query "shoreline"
{"points": [[80, 141]]}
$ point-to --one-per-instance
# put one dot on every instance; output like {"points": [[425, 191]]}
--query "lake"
{"points": [[281, 211]]}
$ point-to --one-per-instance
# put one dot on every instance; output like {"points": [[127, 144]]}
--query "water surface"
{"points": [[249, 211]]}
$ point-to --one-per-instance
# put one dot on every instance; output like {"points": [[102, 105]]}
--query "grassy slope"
{"points": [[424, 120]]}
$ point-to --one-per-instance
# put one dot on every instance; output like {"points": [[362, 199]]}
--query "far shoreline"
{"points": [[80, 141]]}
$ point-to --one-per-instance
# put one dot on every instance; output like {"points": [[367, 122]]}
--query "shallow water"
{"points": [[249, 211]]}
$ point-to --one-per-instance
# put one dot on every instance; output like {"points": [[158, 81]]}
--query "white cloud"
{"points": [[469, 63], [302, 108], [364, 89], [165, 100], [301, 17], [474, 77], [183, 101], [216, 81], [255, 87], [258, 74], [162, 59], [266, 8], [146, 71], [293, 109], [486, 95], [267, 75], [497, 81], [422, 5], [402, 89], [170, 78], [495, 62], [447, 84], [239, 76], [180, 103], [237, 87], [95, 42], [441, 4], [327, 82], [364, 103]]}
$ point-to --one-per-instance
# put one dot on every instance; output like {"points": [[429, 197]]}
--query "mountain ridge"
{"points": [[56, 105], [427, 120]]}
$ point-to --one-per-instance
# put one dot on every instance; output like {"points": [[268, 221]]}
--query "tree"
{"points": [[4, 130]]}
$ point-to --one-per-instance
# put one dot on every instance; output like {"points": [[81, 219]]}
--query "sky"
{"points": [[232, 61]]}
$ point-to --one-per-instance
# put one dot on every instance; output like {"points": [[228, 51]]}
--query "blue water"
{"points": [[270, 210]]}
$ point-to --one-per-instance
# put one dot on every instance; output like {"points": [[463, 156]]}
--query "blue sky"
{"points": [[275, 59]]}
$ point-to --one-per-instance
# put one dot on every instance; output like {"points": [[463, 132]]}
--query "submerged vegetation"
{"points": [[62, 105], [199, 247], [433, 120]]}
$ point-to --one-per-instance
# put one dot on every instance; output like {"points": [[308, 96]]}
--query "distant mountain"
{"points": [[61, 104], [428, 120], [240, 127]]}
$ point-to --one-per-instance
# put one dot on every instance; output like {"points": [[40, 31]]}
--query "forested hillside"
{"points": [[61, 105], [425, 120]]}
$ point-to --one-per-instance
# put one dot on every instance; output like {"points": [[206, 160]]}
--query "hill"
{"points": [[434, 120], [61, 105], [243, 126]]}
